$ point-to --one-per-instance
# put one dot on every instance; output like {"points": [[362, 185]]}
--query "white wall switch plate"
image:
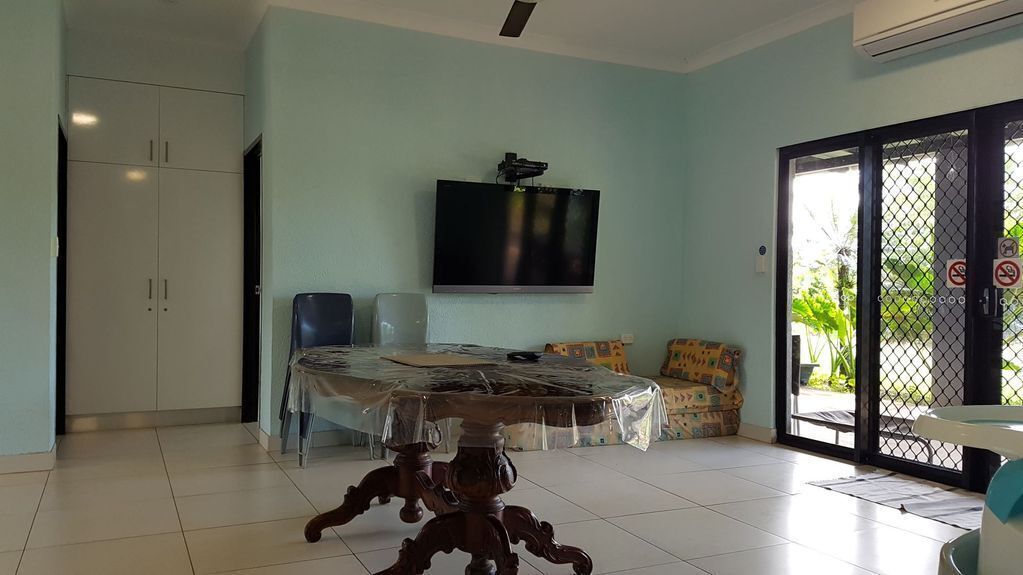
{"points": [[628, 338]]}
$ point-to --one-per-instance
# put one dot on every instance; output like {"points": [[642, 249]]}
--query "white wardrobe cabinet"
{"points": [[200, 130], [112, 274], [113, 122], [200, 326], [155, 250]]}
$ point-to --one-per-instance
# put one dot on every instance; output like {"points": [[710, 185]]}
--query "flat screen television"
{"points": [[502, 238]]}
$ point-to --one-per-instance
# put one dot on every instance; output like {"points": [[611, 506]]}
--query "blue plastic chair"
{"points": [[317, 319]]}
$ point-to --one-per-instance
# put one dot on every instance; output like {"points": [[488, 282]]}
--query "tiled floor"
{"points": [[207, 499]]}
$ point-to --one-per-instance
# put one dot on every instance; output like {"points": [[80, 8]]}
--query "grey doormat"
{"points": [[955, 507]]}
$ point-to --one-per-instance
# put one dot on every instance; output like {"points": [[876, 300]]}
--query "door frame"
{"points": [[60, 394], [783, 292], [251, 286]]}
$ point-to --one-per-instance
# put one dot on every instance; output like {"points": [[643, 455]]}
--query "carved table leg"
{"points": [[538, 535], [482, 526], [412, 477]]}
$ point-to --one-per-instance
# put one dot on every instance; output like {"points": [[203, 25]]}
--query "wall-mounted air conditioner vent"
{"points": [[887, 29]]}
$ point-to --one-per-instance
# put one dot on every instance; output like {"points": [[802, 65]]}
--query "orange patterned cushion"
{"points": [[609, 354], [706, 362]]}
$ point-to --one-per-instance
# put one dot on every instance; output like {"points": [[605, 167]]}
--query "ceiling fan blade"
{"points": [[517, 18]]}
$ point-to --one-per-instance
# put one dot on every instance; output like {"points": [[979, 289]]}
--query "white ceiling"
{"points": [[676, 35]]}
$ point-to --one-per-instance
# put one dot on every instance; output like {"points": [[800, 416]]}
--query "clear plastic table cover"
{"points": [[357, 388]]}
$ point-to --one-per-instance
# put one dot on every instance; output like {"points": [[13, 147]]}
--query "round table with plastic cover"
{"points": [[359, 388]]}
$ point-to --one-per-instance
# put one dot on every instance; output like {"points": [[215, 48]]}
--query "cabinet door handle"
{"points": [[164, 288], [150, 288], [166, 152], [150, 150]]}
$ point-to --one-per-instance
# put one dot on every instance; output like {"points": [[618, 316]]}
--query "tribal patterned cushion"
{"points": [[706, 362], [609, 354]]}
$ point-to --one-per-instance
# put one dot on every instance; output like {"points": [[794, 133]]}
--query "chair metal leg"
{"points": [[305, 426], [372, 446], [285, 431]]}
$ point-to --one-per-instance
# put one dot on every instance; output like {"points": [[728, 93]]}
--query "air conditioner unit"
{"points": [[887, 29]]}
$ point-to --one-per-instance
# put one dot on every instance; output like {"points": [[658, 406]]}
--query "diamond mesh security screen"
{"points": [[923, 225], [1012, 304]]}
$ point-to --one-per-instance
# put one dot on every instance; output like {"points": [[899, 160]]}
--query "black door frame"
{"points": [[982, 377], [251, 296], [784, 289], [60, 395]]}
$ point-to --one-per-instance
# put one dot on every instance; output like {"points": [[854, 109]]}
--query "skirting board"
{"points": [[757, 433], [143, 419], [28, 462]]}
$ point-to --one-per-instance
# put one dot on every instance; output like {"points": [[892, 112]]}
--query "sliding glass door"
{"points": [[898, 288]]}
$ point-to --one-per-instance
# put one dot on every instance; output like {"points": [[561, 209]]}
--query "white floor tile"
{"points": [[91, 467], [794, 518], [669, 569], [612, 498], [635, 463], [211, 457], [611, 549], [712, 487], [153, 555], [102, 490], [31, 477], [441, 564], [111, 520], [9, 562], [547, 472], [795, 478], [884, 550], [547, 506], [23, 498], [200, 437], [222, 479], [716, 455], [788, 559], [698, 532], [238, 507], [258, 545], [109, 444], [346, 565], [14, 531]]}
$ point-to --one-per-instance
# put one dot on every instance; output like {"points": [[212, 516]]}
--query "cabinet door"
{"points": [[113, 122], [200, 130], [111, 305], [200, 333]]}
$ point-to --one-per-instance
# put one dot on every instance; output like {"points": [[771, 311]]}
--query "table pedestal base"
{"points": [[483, 526], [414, 477]]}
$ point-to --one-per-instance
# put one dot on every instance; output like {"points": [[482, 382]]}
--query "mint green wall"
{"points": [[365, 118], [802, 88], [30, 101]]}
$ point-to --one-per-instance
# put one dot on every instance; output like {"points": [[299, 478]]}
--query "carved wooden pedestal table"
{"points": [[358, 388]]}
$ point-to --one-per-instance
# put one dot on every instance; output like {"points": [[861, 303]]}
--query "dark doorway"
{"points": [[253, 185], [62, 242]]}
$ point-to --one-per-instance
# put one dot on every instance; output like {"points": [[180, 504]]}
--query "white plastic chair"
{"points": [[400, 319]]}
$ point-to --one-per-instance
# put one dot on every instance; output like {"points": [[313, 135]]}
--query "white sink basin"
{"points": [[998, 428]]}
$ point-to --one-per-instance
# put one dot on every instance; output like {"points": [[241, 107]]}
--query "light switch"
{"points": [[628, 338], [55, 247]]}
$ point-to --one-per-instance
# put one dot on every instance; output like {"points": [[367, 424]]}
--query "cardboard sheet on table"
{"points": [[436, 360]]}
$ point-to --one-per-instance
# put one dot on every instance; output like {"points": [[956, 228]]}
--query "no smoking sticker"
{"points": [[1007, 273], [955, 274]]}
